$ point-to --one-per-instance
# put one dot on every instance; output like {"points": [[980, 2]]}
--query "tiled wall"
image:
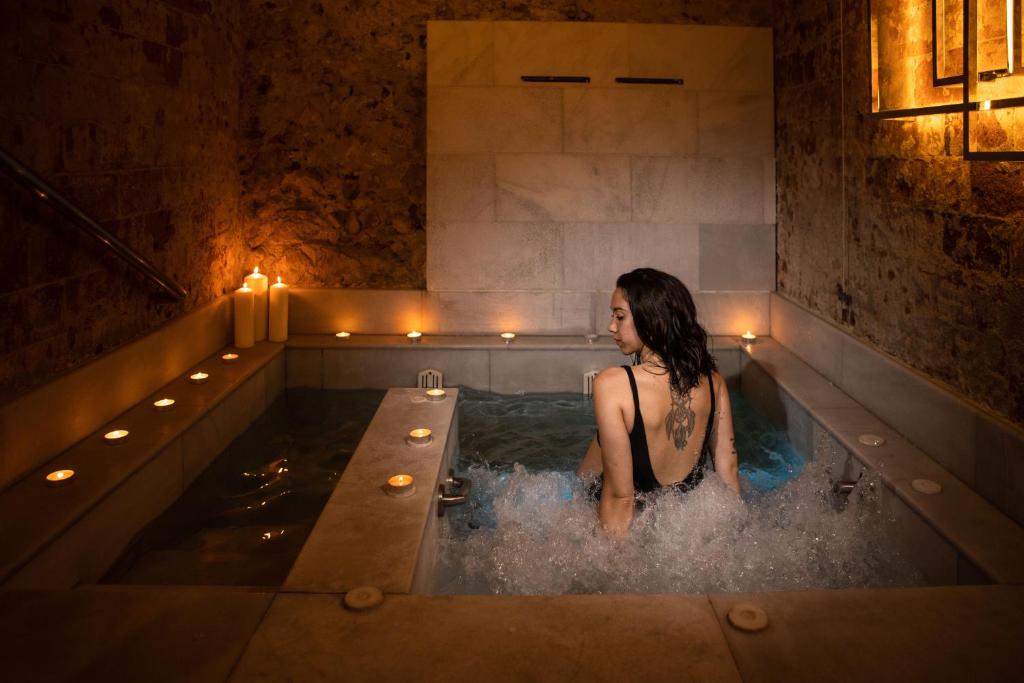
{"points": [[377, 311], [501, 370], [556, 189]]}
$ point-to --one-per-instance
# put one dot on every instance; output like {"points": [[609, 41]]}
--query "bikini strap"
{"points": [[636, 394]]}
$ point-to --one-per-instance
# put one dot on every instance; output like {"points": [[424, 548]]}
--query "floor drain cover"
{"points": [[747, 617], [926, 486], [363, 598]]}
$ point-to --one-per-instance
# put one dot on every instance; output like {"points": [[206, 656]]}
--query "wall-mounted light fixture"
{"points": [[977, 69]]}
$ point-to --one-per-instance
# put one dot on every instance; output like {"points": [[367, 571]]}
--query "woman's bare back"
{"points": [[675, 424]]}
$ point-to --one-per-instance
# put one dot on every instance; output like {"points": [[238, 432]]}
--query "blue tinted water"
{"points": [[551, 432], [531, 528]]}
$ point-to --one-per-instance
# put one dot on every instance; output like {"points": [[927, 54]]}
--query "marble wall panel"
{"points": [[737, 257], [549, 312], [736, 124], [534, 187], [387, 368], [815, 341], [999, 466], [770, 199], [733, 313], [935, 421], [460, 53], [494, 256], [697, 190], [721, 313], [367, 311], [595, 254], [514, 370], [644, 120], [478, 120], [460, 188], [559, 49], [706, 58]]}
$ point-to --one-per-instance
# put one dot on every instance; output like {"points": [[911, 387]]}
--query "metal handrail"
{"points": [[21, 173]]}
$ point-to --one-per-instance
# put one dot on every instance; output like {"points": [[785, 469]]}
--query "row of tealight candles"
{"points": [[119, 435], [259, 309]]}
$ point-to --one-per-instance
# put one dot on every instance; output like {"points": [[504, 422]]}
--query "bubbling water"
{"points": [[537, 533]]}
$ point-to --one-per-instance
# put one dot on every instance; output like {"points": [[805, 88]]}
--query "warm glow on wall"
{"points": [[939, 57]]}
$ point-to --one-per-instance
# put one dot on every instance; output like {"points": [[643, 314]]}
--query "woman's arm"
{"points": [[591, 463], [616, 507], [723, 440]]}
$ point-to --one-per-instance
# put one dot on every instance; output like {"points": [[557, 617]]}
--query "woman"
{"points": [[667, 418]]}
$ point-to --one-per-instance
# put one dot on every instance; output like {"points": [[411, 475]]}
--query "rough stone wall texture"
{"points": [[130, 108], [930, 247], [333, 146]]}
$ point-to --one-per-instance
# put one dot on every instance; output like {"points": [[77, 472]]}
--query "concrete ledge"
{"points": [[118, 489], [493, 638], [365, 537], [809, 406], [985, 451], [44, 422]]}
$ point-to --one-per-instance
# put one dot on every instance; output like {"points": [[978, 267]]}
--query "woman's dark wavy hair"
{"points": [[666, 322]]}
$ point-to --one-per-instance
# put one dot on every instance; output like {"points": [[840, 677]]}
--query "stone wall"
{"points": [[334, 130], [130, 108], [883, 228]]}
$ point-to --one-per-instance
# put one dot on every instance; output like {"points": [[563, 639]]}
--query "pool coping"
{"points": [[365, 537], [35, 516], [992, 542], [987, 537]]}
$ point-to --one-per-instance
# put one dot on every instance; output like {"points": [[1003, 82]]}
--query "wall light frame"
{"points": [[966, 106]]}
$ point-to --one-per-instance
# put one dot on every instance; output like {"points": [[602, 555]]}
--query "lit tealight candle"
{"points": [[62, 477], [401, 485], [229, 358], [419, 437], [508, 336], [749, 337], [436, 394], [116, 436], [163, 404], [414, 336], [198, 377], [343, 335]]}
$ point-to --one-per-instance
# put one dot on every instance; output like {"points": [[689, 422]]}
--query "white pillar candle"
{"points": [[278, 311], [244, 330], [257, 282]]}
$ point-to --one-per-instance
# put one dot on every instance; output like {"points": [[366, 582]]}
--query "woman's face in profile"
{"points": [[621, 325]]}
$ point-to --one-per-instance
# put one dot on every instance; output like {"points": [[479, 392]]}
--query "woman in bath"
{"points": [[666, 418]]}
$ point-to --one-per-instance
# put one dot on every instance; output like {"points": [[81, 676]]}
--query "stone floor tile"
{"points": [[126, 634]]}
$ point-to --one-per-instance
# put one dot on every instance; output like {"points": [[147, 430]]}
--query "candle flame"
{"points": [[278, 279], [256, 270]]}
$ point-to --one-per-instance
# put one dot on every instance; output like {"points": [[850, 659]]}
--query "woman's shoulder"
{"points": [[611, 376]]}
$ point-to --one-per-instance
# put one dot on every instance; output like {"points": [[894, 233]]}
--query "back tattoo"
{"points": [[681, 420]]}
